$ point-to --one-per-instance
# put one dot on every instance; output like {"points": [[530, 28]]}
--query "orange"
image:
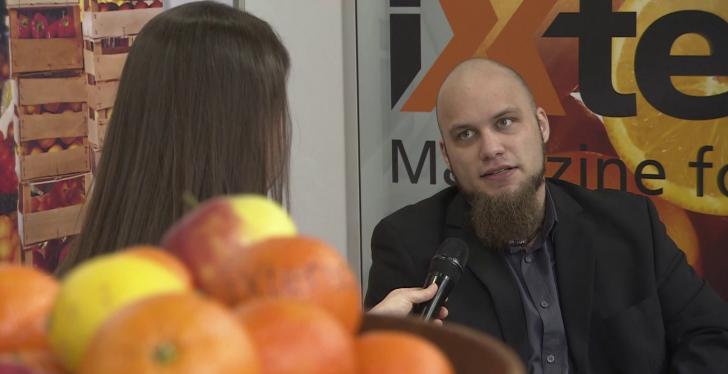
{"points": [[678, 224], [26, 298], [299, 268], [171, 333], [396, 352], [296, 337], [671, 141]]}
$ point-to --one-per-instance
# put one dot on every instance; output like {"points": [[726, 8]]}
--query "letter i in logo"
{"points": [[405, 59]]}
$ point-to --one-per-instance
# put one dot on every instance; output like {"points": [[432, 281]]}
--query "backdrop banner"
{"points": [[636, 92]]}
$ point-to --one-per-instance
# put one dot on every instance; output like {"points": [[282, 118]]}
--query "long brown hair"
{"points": [[201, 110]]}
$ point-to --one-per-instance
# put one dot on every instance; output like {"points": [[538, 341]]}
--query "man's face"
{"points": [[492, 135]]}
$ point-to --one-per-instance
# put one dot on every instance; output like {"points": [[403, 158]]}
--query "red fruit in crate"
{"points": [[156, 4], [68, 141], [113, 6], [32, 109], [53, 107], [126, 6], [24, 28], [75, 107], [60, 191], [141, 5], [66, 27], [46, 143], [39, 26], [103, 7], [52, 30]]}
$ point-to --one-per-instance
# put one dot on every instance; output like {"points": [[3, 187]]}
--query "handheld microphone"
{"points": [[445, 270]]}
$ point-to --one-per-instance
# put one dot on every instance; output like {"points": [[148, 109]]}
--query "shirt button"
{"points": [[544, 304], [528, 259], [550, 359]]}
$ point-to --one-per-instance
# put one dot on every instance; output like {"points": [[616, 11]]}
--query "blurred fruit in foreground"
{"points": [[394, 352], [163, 258], [298, 268], [30, 362], [26, 299], [295, 337], [96, 289], [205, 237], [173, 333]]}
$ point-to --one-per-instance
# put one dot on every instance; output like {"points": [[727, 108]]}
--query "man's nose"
{"points": [[491, 146]]}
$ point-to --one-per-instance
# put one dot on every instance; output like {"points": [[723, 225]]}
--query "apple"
{"points": [[53, 107], [55, 148], [35, 150], [68, 141], [52, 30], [156, 4], [220, 227], [24, 28], [46, 143], [39, 26], [141, 5], [32, 109], [94, 291], [65, 27], [75, 107], [126, 6]]}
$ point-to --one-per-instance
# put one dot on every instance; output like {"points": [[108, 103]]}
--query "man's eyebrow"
{"points": [[460, 126], [509, 110]]}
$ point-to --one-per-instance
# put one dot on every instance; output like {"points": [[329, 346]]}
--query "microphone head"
{"points": [[450, 258]]}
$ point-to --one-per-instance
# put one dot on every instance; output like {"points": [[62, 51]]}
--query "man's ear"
{"points": [[543, 124], [443, 151]]}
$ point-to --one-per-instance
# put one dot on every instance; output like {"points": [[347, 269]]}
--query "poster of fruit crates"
{"points": [[109, 30], [52, 209], [44, 36], [52, 130]]}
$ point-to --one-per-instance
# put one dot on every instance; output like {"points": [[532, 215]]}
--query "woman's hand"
{"points": [[400, 302]]}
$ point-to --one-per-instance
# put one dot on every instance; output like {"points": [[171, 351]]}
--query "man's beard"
{"points": [[500, 219]]}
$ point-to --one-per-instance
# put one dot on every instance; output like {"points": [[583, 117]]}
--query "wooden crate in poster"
{"points": [[104, 58], [52, 209], [30, 55], [38, 3], [50, 107], [98, 25], [52, 162]]}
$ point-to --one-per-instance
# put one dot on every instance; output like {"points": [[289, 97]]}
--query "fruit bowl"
{"points": [[469, 351]]}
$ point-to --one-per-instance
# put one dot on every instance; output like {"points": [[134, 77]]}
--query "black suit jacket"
{"points": [[629, 300]]}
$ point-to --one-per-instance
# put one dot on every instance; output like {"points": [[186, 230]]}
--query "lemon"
{"points": [[671, 141], [96, 289]]}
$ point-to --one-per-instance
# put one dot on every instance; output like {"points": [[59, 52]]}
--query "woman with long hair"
{"points": [[201, 111]]}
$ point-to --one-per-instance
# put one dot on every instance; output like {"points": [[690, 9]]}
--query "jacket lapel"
{"points": [[575, 262], [491, 269]]}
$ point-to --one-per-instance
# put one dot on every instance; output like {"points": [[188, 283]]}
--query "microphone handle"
{"points": [[432, 308]]}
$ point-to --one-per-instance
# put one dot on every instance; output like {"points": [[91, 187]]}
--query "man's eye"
{"points": [[504, 122], [465, 134]]}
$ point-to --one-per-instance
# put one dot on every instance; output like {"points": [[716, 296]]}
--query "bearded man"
{"points": [[575, 281]]}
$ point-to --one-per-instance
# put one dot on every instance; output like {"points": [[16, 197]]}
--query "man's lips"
{"points": [[498, 171]]}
